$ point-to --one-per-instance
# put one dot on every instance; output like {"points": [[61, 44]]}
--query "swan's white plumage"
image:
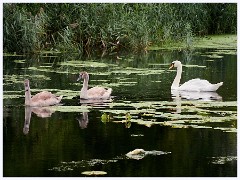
{"points": [[196, 95], [95, 92], [199, 85], [193, 84]]}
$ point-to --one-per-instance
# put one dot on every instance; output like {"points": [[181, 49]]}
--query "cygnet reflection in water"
{"points": [[83, 120], [42, 112]]}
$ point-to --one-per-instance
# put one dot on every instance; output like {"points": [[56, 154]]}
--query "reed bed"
{"points": [[108, 27]]}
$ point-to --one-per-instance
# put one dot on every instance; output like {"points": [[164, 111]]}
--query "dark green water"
{"points": [[196, 138]]}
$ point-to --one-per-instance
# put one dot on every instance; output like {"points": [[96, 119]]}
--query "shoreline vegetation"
{"points": [[85, 28]]}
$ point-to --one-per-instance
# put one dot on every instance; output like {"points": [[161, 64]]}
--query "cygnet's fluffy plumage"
{"points": [[43, 98], [92, 93]]}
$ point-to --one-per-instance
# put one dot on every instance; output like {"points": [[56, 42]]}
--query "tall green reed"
{"points": [[85, 27]]}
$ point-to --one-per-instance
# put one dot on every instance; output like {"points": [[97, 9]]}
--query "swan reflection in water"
{"points": [[83, 120], [42, 112], [95, 102], [179, 96], [191, 95]]}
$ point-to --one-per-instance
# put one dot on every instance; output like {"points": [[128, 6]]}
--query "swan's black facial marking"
{"points": [[172, 65], [80, 77]]}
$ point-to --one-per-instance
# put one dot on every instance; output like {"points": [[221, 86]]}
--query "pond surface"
{"points": [[178, 134]]}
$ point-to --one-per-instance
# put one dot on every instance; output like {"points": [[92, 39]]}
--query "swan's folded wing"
{"points": [[199, 85], [194, 85], [197, 82], [97, 91], [45, 95]]}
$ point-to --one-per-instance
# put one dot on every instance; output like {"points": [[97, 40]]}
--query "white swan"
{"points": [[193, 84], [43, 98], [92, 93]]}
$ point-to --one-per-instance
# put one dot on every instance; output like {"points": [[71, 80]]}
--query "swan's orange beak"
{"points": [[172, 65]]}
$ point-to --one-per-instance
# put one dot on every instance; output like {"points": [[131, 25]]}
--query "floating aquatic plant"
{"points": [[20, 61], [94, 173], [106, 117], [193, 113], [85, 64], [137, 135], [72, 108], [12, 96], [223, 160], [138, 154], [214, 56], [217, 42], [183, 114], [72, 165], [187, 114]]}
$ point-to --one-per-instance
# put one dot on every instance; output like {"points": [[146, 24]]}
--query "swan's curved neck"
{"points": [[177, 79], [84, 88], [27, 95], [85, 83]]}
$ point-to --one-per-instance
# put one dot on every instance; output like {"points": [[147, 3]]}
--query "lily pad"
{"points": [[223, 160], [215, 56], [69, 166], [187, 114], [193, 65], [13, 79], [225, 51], [20, 61], [72, 108], [12, 96], [79, 63], [94, 173]]}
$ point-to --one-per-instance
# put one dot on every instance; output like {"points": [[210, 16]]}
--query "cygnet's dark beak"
{"points": [[26, 84], [79, 78]]}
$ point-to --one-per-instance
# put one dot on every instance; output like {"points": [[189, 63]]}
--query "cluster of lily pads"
{"points": [[216, 115], [183, 114], [223, 160], [136, 154], [194, 114], [69, 166]]}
